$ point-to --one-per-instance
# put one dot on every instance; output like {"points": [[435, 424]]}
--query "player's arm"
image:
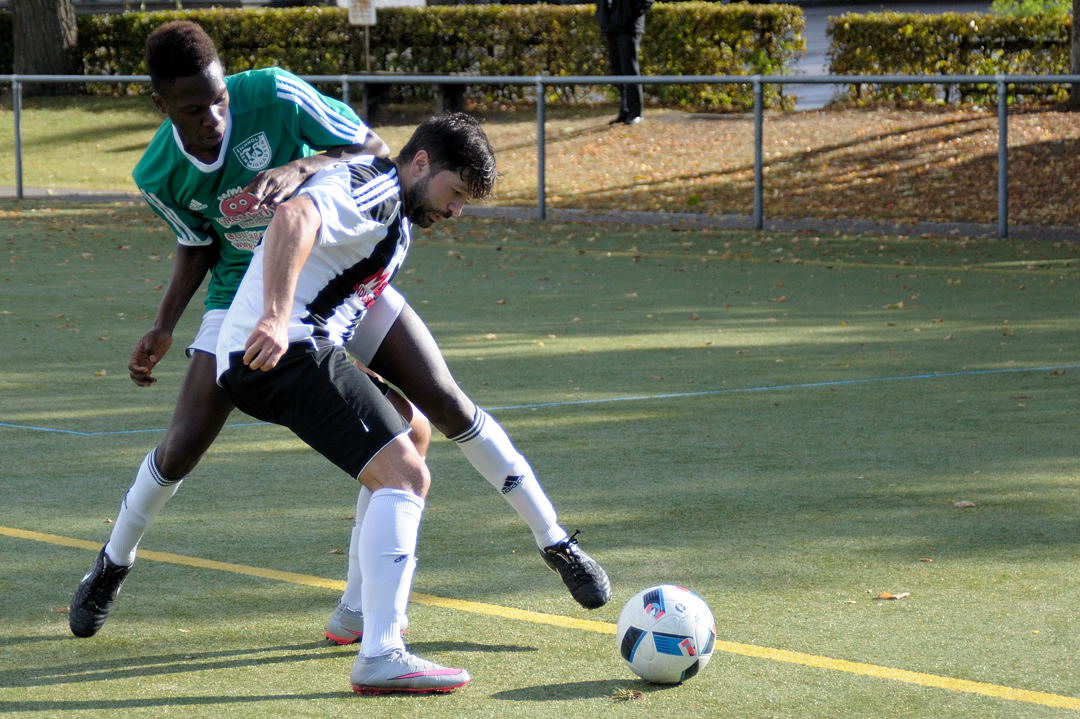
{"points": [[271, 187], [189, 268], [286, 246]]}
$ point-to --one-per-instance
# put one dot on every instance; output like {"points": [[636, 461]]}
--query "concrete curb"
{"points": [[679, 220]]}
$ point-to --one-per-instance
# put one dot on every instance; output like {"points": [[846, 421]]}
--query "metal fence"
{"points": [[542, 82]]}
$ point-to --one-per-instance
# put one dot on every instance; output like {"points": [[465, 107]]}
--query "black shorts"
{"points": [[323, 398]]}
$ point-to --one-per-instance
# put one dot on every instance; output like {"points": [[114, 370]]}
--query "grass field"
{"points": [[782, 423]]}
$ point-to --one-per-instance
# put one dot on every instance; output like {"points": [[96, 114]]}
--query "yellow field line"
{"points": [[995, 691]]}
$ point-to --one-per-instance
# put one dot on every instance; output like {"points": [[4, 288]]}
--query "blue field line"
{"points": [[77, 433], [636, 398], [777, 387]]}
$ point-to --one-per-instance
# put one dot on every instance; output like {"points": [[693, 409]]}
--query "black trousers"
{"points": [[623, 52]]}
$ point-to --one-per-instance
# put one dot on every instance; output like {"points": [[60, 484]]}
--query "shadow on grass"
{"points": [[180, 663], [106, 704], [572, 691], [156, 665], [12, 641]]}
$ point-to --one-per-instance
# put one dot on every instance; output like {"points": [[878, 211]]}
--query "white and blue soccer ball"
{"points": [[666, 634]]}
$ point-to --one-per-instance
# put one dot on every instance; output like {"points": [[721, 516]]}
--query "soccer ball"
{"points": [[666, 634]]}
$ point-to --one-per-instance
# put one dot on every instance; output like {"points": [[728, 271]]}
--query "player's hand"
{"points": [[266, 345], [147, 353], [272, 187]]}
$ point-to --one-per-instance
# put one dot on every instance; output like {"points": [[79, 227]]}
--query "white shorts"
{"points": [[206, 338], [373, 326], [368, 335]]}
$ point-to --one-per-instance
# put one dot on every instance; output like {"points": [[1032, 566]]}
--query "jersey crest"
{"points": [[254, 153]]}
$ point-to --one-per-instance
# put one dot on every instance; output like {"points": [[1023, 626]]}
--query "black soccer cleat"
{"points": [[587, 581], [95, 595]]}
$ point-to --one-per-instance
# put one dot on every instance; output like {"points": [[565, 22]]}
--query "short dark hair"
{"points": [[178, 49], [455, 141]]}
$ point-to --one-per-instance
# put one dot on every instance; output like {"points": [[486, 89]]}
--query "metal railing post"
{"points": [[541, 199], [16, 101], [1003, 159], [759, 126]]}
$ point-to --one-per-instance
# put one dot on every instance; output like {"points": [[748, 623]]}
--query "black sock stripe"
{"points": [[161, 480], [479, 419]]}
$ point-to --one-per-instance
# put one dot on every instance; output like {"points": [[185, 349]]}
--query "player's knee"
{"points": [[397, 466], [418, 481], [420, 433]]}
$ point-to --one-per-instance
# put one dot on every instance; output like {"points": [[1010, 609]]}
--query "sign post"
{"points": [[362, 12]]}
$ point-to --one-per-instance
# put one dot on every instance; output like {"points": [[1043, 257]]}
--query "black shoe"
{"points": [[633, 120], [587, 581], [618, 120], [95, 595]]}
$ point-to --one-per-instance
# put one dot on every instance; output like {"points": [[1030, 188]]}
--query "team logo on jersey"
{"points": [[196, 206], [238, 205], [247, 240], [254, 152]]}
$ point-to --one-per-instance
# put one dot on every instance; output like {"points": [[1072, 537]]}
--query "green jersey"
{"points": [[274, 118]]}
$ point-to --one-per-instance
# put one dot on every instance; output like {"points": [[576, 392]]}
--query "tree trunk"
{"points": [[1074, 56], [46, 42]]}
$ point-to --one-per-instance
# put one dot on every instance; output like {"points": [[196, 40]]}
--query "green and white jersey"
{"points": [[274, 118]]}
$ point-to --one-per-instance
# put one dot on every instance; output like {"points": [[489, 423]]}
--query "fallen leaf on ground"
{"points": [[890, 596], [627, 695]]}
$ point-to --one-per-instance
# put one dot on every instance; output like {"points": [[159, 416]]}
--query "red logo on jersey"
{"points": [[369, 289], [238, 205]]}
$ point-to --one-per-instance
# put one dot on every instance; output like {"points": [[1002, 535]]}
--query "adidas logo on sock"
{"points": [[511, 483]]}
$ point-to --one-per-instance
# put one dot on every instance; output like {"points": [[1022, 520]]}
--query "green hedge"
{"points": [[948, 44], [684, 38]]}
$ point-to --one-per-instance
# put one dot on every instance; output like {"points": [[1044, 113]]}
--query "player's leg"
{"points": [[346, 623], [398, 480], [339, 412], [409, 358], [201, 410]]}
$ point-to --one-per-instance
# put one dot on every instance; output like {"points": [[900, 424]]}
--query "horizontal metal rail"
{"points": [[541, 82]]}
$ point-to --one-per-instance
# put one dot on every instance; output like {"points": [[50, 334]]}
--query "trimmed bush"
{"points": [[684, 38], [948, 44]]}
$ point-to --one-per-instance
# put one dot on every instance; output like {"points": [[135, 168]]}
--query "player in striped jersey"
{"points": [[328, 254]]}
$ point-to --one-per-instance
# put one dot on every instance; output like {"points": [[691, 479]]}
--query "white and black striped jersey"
{"points": [[361, 243]]}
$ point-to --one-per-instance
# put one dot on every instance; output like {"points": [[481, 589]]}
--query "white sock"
{"points": [[354, 578], [387, 558], [143, 501], [489, 449]]}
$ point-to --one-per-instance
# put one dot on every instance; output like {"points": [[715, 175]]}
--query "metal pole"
{"points": [[541, 201], [759, 199], [1003, 160], [16, 101]]}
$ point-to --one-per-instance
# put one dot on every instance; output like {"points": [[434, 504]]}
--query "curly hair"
{"points": [[455, 141], [178, 49]]}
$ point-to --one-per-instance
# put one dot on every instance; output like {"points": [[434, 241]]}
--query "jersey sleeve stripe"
{"points": [[377, 187], [184, 234], [313, 105], [387, 194]]}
